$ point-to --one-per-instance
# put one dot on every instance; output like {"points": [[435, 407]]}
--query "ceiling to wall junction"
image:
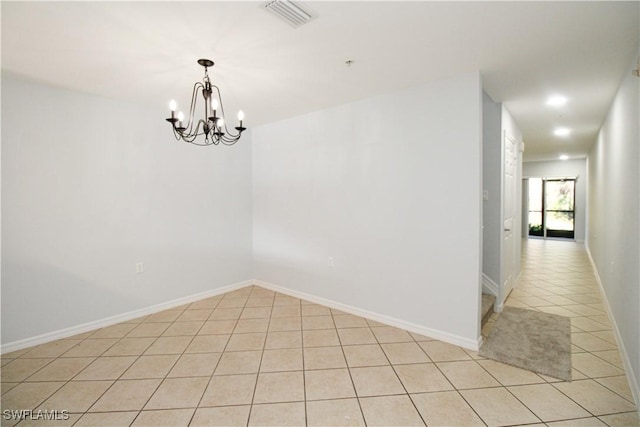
{"points": [[146, 52]]}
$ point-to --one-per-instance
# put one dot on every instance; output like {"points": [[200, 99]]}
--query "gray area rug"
{"points": [[532, 340]]}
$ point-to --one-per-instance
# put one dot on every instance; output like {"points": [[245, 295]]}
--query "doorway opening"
{"points": [[552, 207]]}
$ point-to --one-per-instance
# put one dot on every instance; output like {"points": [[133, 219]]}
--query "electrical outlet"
{"points": [[331, 262], [139, 267]]}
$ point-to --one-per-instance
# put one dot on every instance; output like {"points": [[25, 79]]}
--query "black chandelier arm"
{"points": [[234, 136], [194, 102], [206, 143], [176, 134], [192, 134], [213, 138], [229, 140], [230, 136], [189, 137]]}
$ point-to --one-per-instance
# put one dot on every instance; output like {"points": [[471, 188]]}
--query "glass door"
{"points": [[559, 207], [552, 207], [536, 210]]}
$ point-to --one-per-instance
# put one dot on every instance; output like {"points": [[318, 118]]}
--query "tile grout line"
{"points": [[119, 339], [304, 374], [214, 368], [455, 389], [168, 371], [177, 359], [346, 362], [113, 380], [396, 373], [255, 387]]}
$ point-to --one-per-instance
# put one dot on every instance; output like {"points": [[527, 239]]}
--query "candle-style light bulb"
{"points": [[180, 119], [240, 117], [220, 123], [214, 105], [172, 107]]}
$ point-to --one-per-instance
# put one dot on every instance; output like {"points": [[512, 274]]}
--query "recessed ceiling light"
{"points": [[561, 131], [563, 157], [556, 101]]}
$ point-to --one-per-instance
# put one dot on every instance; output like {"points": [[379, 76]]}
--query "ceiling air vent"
{"points": [[292, 12]]}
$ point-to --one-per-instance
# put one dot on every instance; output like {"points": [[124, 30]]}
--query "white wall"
{"points": [[567, 168], [91, 186], [491, 181], [391, 188], [613, 234]]}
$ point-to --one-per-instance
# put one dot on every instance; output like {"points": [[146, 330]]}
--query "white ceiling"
{"points": [[146, 52]]}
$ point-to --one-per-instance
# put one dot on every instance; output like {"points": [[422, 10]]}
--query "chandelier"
{"points": [[213, 126]]}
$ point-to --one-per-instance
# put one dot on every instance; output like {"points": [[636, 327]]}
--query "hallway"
{"points": [[557, 278]]}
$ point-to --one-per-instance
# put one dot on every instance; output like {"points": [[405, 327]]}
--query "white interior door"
{"points": [[508, 200]]}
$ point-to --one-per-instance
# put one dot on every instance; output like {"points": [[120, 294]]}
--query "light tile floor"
{"points": [[255, 357]]}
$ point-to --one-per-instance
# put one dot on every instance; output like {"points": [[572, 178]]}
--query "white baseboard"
{"points": [[624, 355], [489, 286], [108, 321], [387, 320]]}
